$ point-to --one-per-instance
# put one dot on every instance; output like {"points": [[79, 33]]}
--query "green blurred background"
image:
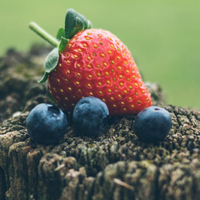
{"points": [[163, 36]]}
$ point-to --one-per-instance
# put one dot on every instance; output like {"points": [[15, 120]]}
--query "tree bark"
{"points": [[113, 166]]}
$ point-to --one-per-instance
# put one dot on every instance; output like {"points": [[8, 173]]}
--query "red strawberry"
{"points": [[96, 63]]}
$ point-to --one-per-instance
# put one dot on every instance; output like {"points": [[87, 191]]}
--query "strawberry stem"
{"points": [[43, 34]]}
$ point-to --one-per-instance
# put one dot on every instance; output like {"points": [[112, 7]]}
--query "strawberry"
{"points": [[94, 62]]}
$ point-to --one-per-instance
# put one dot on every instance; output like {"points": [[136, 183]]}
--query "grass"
{"points": [[163, 36]]}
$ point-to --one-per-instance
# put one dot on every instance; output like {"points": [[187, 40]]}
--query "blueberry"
{"points": [[46, 124], [152, 124], [90, 116]]}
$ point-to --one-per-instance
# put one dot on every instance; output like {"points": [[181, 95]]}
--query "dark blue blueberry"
{"points": [[152, 124], [90, 116], [46, 124]]}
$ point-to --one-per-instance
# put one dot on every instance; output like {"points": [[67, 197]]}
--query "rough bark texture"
{"points": [[113, 166]]}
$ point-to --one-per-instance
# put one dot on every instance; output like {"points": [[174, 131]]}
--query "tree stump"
{"points": [[113, 166]]}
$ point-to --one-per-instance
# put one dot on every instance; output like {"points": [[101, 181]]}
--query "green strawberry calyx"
{"points": [[74, 23]]}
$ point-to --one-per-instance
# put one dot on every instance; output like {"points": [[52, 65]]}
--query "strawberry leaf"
{"points": [[44, 78], [63, 44], [89, 24], [60, 34], [74, 22], [50, 64], [51, 60], [79, 26]]}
